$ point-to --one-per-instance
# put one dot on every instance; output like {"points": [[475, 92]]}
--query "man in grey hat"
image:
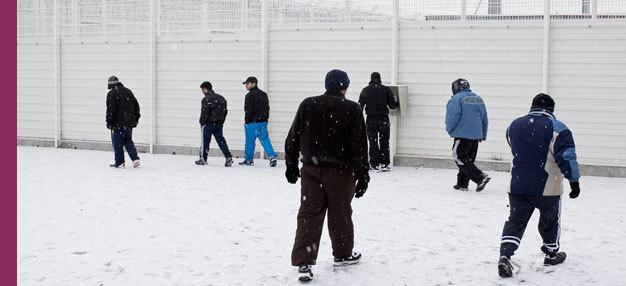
{"points": [[122, 116]]}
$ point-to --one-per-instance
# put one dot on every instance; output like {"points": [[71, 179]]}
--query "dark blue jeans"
{"points": [[521, 209], [123, 138], [216, 131]]}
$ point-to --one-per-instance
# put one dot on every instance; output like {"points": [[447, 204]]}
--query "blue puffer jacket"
{"points": [[541, 146], [466, 116]]}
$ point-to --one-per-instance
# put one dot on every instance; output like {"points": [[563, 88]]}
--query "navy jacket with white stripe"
{"points": [[543, 149]]}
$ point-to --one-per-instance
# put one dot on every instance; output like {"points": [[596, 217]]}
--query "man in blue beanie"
{"points": [[543, 148], [329, 131]]}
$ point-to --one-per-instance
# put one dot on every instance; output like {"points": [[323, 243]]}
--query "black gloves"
{"points": [[292, 174], [361, 184], [575, 190]]}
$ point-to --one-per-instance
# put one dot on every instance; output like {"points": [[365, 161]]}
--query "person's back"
{"points": [[329, 131], [377, 99], [466, 116], [257, 107], [216, 108], [542, 148], [122, 108]]}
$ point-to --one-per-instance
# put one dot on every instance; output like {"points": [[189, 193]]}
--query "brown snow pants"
{"points": [[324, 188]]}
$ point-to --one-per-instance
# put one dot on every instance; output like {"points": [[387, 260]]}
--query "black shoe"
{"points": [[272, 161], [117, 166], [304, 273], [385, 168], [247, 163], [352, 259], [374, 168], [505, 269], [555, 259], [483, 183], [229, 162], [460, 188], [200, 162]]}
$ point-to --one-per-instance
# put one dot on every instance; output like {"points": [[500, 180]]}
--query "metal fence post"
{"points": [[153, 72], [395, 69], [546, 47], [265, 52], [463, 8], [56, 50]]}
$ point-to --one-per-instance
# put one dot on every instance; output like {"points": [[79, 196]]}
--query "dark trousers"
{"points": [[521, 209], [214, 130], [324, 188], [464, 154], [378, 136], [123, 138]]}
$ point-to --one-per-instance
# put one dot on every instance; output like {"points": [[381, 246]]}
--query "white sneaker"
{"points": [[136, 164]]}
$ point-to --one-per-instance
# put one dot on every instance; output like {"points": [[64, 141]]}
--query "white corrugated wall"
{"points": [[85, 69], [301, 55], [588, 82], [183, 64], [35, 90], [502, 61]]}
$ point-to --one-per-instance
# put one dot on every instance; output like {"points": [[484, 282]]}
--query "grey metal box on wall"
{"points": [[401, 95]]}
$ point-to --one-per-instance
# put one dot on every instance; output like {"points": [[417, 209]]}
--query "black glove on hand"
{"points": [[292, 174], [575, 190], [361, 185]]}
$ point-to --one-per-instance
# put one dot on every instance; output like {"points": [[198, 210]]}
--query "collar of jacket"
{"points": [[375, 82], [541, 111], [334, 93], [462, 90], [209, 92]]}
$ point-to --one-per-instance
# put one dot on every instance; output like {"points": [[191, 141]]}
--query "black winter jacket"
{"points": [[375, 98], [257, 106], [214, 109], [122, 108], [329, 130]]}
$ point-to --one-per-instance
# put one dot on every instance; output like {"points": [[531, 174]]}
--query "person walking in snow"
{"points": [[543, 148], [212, 116], [122, 115], [329, 131], [466, 122], [257, 112], [376, 99]]}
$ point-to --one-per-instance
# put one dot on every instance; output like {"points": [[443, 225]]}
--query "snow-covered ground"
{"points": [[171, 222]]}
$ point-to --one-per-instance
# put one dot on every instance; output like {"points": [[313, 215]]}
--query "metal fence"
{"points": [[114, 18], [163, 49]]}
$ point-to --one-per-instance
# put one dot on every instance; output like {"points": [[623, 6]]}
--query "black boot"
{"points": [[505, 269], [555, 259]]}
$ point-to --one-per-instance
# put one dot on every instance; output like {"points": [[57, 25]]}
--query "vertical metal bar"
{"points": [[546, 46], [103, 17], [153, 72], [265, 52], [463, 10], [348, 11], [395, 69], [594, 9], [56, 50], [395, 23]]}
